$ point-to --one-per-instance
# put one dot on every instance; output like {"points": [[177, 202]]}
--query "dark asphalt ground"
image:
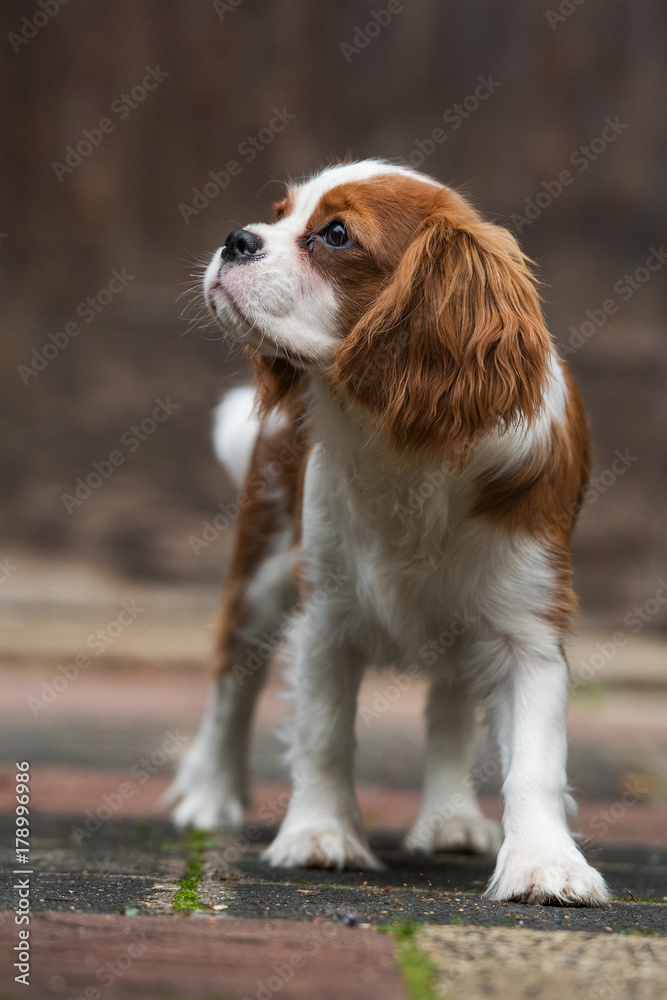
{"points": [[130, 865]]}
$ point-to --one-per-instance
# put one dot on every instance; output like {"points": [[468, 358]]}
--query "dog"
{"points": [[416, 456]]}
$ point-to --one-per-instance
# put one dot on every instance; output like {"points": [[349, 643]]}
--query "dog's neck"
{"points": [[378, 478], [349, 435]]}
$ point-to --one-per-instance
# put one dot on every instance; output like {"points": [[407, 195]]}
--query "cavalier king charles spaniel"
{"points": [[416, 457]]}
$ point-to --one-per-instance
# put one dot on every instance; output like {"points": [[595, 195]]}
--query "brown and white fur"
{"points": [[398, 343]]}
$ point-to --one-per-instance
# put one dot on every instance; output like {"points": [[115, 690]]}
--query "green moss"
{"points": [[187, 896], [639, 932], [459, 922], [419, 972]]}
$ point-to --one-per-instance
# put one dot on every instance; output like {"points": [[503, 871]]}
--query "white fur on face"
{"points": [[276, 302]]}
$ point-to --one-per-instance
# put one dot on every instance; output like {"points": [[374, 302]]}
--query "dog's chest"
{"points": [[395, 532], [397, 518]]}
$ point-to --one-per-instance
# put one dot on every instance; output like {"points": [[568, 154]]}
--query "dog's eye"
{"points": [[336, 234]]}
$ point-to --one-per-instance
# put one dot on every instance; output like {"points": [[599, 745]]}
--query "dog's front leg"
{"points": [[538, 861], [323, 827]]}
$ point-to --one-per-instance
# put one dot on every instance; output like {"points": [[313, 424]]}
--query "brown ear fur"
{"points": [[455, 344], [278, 382]]}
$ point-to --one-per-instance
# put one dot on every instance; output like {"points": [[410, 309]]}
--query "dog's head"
{"points": [[393, 288]]}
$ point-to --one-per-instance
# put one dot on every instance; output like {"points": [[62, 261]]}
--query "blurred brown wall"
{"points": [[310, 82]]}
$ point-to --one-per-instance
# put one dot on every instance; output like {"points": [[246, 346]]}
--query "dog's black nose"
{"points": [[241, 245]]}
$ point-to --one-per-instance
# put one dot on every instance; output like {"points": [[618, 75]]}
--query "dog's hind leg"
{"points": [[212, 779], [450, 817]]}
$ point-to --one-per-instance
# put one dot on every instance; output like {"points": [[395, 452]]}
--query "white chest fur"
{"points": [[399, 539]]}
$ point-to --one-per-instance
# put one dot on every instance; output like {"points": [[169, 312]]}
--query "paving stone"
{"points": [[520, 964], [209, 959]]}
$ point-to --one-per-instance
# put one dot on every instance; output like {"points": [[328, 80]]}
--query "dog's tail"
{"points": [[235, 430]]}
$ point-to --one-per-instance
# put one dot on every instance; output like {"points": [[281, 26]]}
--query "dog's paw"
{"points": [[565, 879], [464, 834], [320, 845], [209, 809], [210, 798]]}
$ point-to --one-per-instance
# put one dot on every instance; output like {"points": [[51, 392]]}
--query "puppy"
{"points": [[418, 459]]}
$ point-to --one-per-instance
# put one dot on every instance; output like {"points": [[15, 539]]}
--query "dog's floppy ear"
{"points": [[278, 382], [455, 344]]}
